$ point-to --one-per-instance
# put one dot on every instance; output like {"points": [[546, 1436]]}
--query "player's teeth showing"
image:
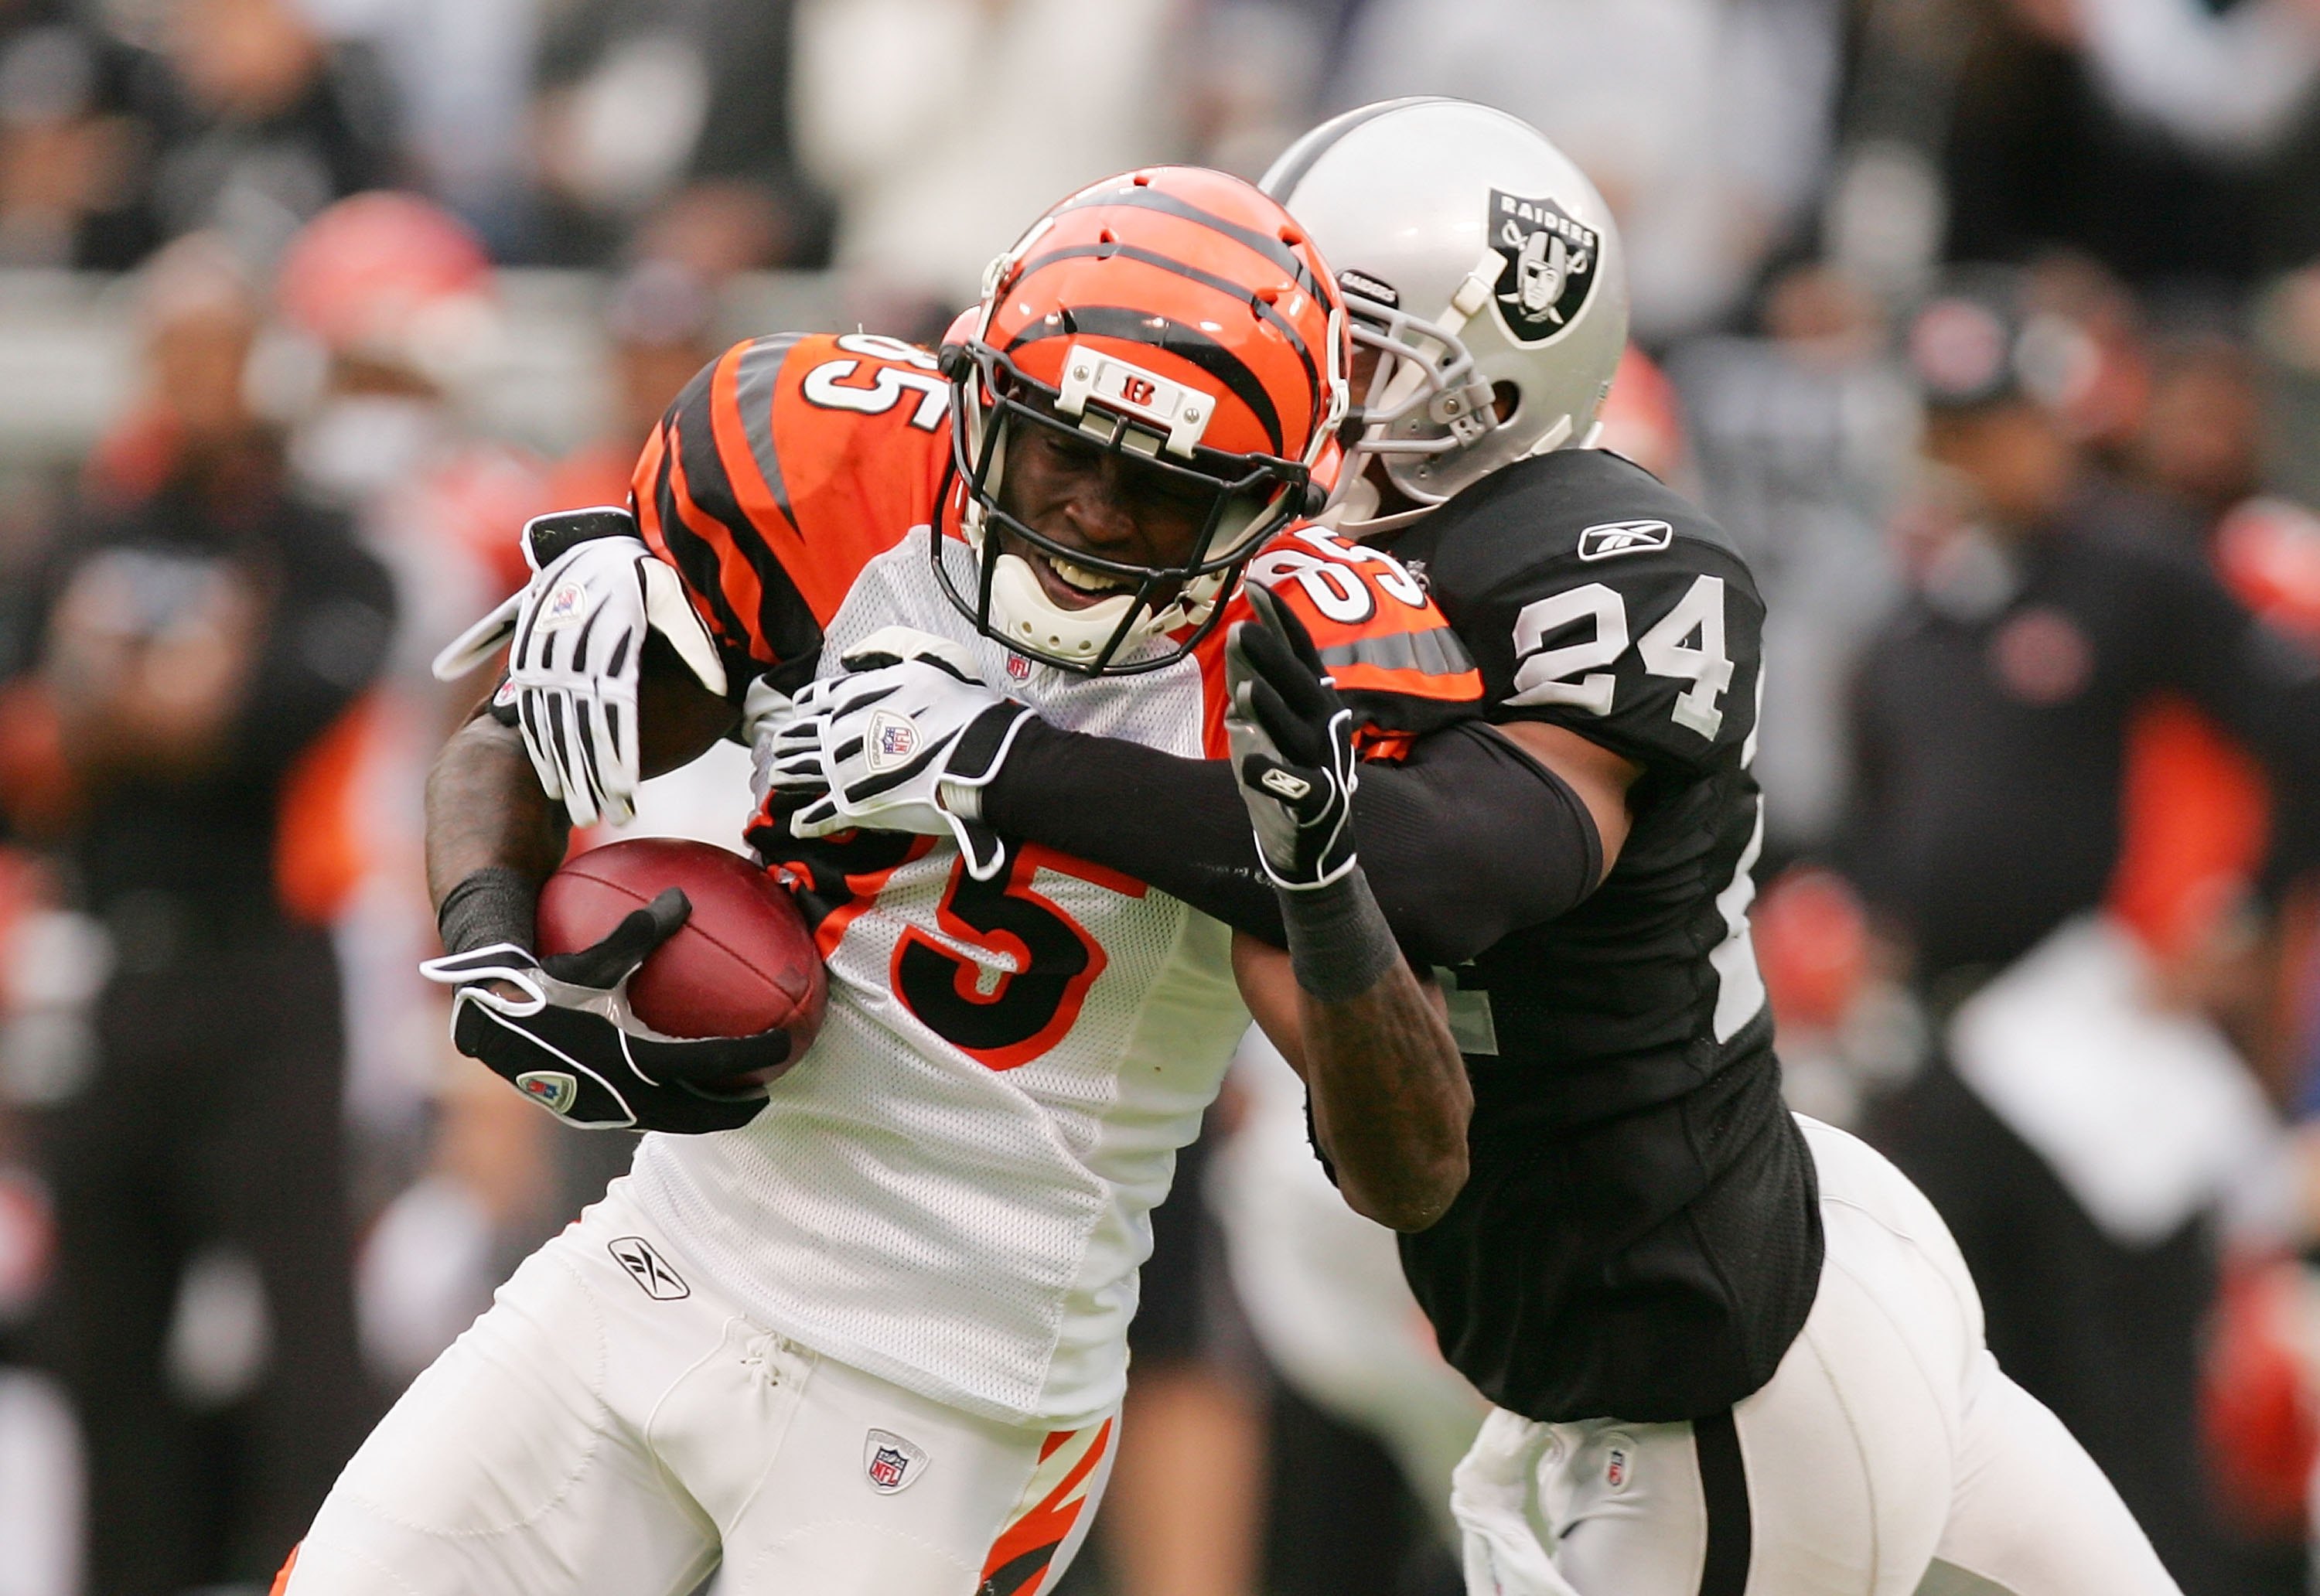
{"points": [[1080, 577]]}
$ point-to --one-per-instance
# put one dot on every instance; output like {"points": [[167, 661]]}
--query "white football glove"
{"points": [[578, 630], [904, 742]]}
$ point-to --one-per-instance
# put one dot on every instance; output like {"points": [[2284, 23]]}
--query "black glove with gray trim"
{"points": [[1293, 742], [570, 1042]]}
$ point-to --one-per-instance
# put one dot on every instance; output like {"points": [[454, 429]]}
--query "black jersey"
{"points": [[1639, 1237]]}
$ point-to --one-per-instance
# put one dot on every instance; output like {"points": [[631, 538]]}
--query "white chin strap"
{"points": [[1022, 614]]}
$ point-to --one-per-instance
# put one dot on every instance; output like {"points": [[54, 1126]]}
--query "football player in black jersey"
{"points": [[1731, 1352]]}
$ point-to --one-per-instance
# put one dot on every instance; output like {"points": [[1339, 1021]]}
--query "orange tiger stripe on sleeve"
{"points": [[769, 504], [1381, 639]]}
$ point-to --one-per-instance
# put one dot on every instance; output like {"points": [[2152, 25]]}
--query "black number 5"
{"points": [[1009, 1008]]}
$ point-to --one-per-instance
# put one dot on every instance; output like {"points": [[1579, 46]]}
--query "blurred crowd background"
{"points": [[1990, 328]]}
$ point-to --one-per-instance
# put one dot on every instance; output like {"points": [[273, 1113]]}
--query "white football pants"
{"points": [[615, 1427], [1888, 1455]]}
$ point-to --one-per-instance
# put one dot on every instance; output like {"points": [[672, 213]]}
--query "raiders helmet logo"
{"points": [[1547, 269]]}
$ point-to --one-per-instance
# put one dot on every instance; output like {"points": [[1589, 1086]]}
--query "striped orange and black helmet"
{"points": [[1176, 315]]}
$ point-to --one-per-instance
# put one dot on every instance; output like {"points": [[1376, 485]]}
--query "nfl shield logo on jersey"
{"points": [[893, 739], [1018, 669], [1547, 265], [892, 1461]]}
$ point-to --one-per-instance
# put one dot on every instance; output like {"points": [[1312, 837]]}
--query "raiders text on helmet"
{"points": [[1483, 267]]}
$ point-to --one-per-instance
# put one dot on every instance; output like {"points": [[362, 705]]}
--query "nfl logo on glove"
{"points": [[566, 604], [893, 739]]}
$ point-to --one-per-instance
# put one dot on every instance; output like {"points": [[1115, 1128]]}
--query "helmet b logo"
{"points": [[1547, 265], [1138, 390]]}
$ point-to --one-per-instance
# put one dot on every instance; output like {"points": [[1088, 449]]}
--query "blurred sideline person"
{"points": [[193, 637], [386, 316], [858, 1325], [2049, 607], [2060, 816], [661, 317], [1729, 1349]]}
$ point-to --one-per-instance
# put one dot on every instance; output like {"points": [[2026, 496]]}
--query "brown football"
{"points": [[743, 963]]}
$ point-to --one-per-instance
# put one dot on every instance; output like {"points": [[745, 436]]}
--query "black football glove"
{"points": [[1293, 742], [572, 1045]]}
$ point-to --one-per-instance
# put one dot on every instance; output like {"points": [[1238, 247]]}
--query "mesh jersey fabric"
{"points": [[969, 1226], [951, 1190]]}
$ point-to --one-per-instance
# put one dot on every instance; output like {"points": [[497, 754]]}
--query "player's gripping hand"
{"points": [[1293, 742], [904, 742], [576, 634], [567, 1040]]}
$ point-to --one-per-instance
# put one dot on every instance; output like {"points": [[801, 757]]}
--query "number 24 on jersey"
{"points": [[1588, 626]]}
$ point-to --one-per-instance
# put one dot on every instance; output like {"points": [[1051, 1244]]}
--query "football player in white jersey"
{"points": [[858, 1325], [1731, 1352]]}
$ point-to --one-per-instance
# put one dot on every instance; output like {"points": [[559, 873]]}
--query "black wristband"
{"points": [[492, 905], [1339, 946]]}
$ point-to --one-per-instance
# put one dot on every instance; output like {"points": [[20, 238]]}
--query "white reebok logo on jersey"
{"points": [[893, 739], [891, 1462], [1623, 537]]}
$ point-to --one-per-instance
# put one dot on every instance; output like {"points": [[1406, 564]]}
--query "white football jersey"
{"points": [[951, 1189], [964, 1214]]}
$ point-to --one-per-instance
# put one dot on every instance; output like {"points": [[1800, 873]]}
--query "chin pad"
{"points": [[1022, 614]]}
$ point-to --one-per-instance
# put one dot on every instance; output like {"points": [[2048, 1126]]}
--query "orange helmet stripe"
{"points": [[1142, 331], [1236, 293], [1146, 197]]}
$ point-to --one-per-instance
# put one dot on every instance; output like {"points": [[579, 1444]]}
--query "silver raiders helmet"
{"points": [[1487, 272]]}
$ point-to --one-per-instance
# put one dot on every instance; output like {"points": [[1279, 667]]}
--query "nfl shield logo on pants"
{"points": [[891, 1462]]}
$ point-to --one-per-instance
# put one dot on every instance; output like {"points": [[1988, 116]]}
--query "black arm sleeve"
{"points": [[1438, 832]]}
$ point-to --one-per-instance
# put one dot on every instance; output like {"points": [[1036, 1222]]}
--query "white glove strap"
{"points": [[505, 961]]}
